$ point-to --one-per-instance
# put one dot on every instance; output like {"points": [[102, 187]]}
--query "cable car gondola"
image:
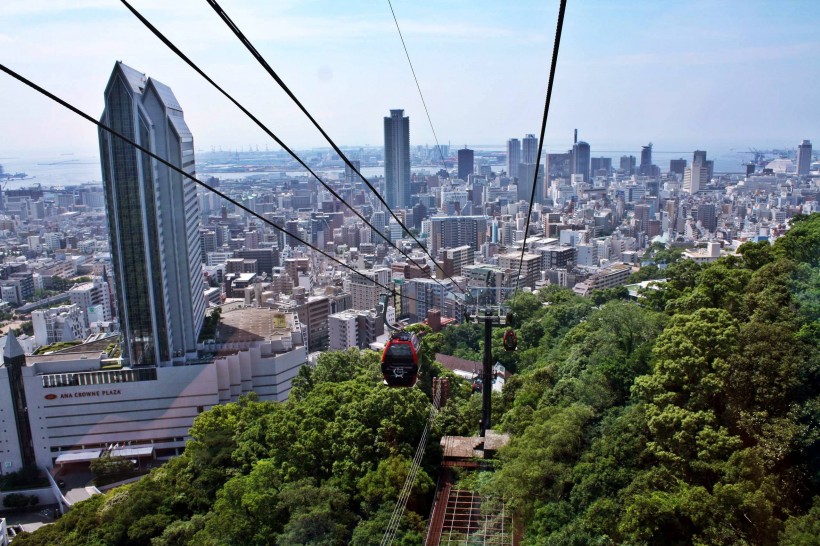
{"points": [[400, 359]]}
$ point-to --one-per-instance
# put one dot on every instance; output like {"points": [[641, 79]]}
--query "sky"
{"points": [[684, 75]]}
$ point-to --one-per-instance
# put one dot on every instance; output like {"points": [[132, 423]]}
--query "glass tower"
{"points": [[397, 159], [153, 219]]}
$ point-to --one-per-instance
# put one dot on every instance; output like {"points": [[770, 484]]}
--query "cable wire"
{"points": [[426, 111], [559, 27], [261, 60], [264, 128], [176, 169], [409, 482]]}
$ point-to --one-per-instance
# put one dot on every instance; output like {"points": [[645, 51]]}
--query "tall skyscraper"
{"points": [[627, 164], [677, 166], [153, 218], [580, 158], [466, 163], [804, 158], [646, 155], [397, 159], [530, 150], [697, 175], [513, 157], [350, 175]]}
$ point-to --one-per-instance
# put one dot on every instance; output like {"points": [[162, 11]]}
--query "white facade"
{"points": [[64, 323], [343, 330], [74, 407], [364, 290], [93, 298]]}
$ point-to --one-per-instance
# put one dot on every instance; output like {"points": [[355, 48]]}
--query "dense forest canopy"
{"points": [[689, 417]]}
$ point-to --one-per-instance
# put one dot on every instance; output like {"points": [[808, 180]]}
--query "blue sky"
{"points": [[685, 75]]}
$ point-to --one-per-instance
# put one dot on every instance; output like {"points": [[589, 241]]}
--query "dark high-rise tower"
{"points": [[529, 150], [646, 155], [14, 360], [513, 157], [466, 163], [153, 218], [804, 158], [397, 159], [579, 163]]}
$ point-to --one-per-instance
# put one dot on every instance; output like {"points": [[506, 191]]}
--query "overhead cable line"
{"points": [[194, 179], [264, 128], [559, 27], [261, 60], [412, 474], [426, 111]]}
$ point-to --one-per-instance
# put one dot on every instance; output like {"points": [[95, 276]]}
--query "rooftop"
{"points": [[254, 324]]}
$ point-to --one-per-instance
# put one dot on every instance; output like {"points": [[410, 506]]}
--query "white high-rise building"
{"points": [[153, 216], [93, 298], [513, 157], [694, 177]]}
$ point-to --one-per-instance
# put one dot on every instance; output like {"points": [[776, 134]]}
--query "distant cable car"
{"points": [[510, 340], [400, 359]]}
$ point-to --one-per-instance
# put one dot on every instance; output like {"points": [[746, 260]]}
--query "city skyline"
{"points": [[609, 87]]}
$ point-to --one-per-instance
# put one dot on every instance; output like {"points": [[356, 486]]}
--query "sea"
{"points": [[68, 169]]}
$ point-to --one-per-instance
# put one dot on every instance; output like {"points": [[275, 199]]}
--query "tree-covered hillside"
{"points": [[690, 417]]}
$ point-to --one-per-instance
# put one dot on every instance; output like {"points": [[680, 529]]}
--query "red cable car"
{"points": [[400, 359]]}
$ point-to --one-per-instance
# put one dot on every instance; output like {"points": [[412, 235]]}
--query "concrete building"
{"points": [[357, 329], [530, 267], [153, 215], [421, 295], [454, 259], [365, 291], [456, 231], [94, 298], [64, 323], [80, 409]]}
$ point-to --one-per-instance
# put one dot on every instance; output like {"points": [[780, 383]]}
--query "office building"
{"points": [[647, 168], [529, 150], [466, 163], [350, 174], [79, 408], [513, 157], [677, 166], [63, 323], [580, 161], [357, 329], [93, 298], [697, 175], [153, 216], [364, 289], [397, 159], [804, 158], [707, 216], [456, 231], [627, 164], [601, 166]]}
